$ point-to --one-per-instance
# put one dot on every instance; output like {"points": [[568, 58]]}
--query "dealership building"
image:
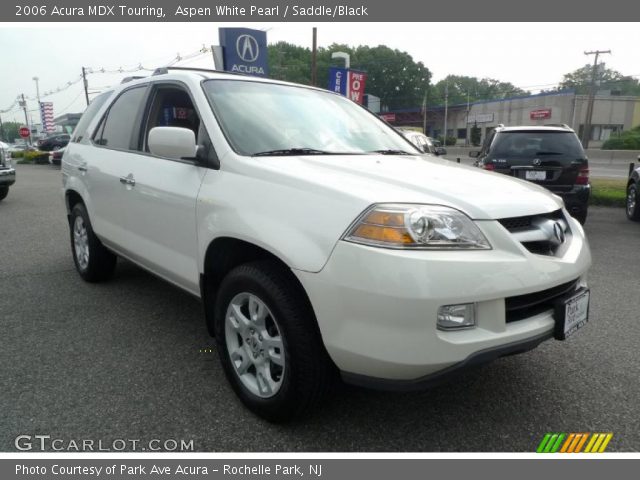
{"points": [[611, 114]]}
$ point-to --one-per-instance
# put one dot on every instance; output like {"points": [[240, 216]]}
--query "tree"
{"points": [[392, 75], [10, 131], [477, 89], [606, 79]]}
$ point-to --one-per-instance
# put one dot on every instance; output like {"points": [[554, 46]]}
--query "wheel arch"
{"points": [[223, 254]]}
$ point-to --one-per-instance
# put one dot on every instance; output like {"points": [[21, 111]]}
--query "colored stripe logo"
{"points": [[574, 442]]}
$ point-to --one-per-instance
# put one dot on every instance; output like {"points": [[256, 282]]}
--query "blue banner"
{"points": [[338, 80], [245, 51]]}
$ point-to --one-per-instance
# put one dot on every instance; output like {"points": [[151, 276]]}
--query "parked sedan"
{"points": [[7, 172], [54, 142], [633, 194], [55, 158]]}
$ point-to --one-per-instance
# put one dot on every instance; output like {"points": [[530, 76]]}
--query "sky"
{"points": [[529, 55]]}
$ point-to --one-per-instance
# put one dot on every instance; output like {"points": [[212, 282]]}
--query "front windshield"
{"points": [[260, 118]]}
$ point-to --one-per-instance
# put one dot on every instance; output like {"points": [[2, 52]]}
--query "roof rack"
{"points": [[561, 125], [131, 79], [165, 70]]}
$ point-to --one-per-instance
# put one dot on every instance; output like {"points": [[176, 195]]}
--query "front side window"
{"points": [[258, 118], [119, 125], [172, 107]]}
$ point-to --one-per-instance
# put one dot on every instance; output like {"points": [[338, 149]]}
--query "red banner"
{"points": [[355, 87]]}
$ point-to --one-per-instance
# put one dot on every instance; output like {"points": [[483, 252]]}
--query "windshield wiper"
{"points": [[292, 151], [391, 151]]}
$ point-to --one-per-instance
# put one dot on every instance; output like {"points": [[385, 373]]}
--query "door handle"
{"points": [[82, 167], [128, 180]]}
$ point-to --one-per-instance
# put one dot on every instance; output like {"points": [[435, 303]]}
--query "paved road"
{"points": [[122, 360]]}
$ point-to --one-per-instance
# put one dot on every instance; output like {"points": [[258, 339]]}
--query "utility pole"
{"points": [[586, 131], [23, 104], [86, 85], [424, 112], [314, 57], [466, 137], [446, 111]]}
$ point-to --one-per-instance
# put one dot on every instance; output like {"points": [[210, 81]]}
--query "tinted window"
{"points": [[537, 144], [88, 115], [121, 118]]}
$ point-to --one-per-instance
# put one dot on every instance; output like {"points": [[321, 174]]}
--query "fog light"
{"points": [[455, 317]]}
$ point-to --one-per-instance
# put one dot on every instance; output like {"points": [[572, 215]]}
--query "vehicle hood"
{"points": [[480, 194]]}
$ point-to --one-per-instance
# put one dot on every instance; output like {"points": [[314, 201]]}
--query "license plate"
{"points": [[535, 175], [571, 314]]}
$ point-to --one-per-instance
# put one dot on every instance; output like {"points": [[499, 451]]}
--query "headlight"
{"points": [[431, 227]]}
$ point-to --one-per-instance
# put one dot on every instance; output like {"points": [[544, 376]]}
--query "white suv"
{"points": [[320, 241]]}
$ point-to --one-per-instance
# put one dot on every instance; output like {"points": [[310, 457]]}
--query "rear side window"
{"points": [[87, 116], [121, 120], [537, 144]]}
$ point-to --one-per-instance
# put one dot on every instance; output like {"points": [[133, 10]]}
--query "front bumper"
{"points": [[377, 308], [7, 177]]}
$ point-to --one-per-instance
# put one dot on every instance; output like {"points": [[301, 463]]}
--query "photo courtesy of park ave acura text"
{"points": [[255, 232]]}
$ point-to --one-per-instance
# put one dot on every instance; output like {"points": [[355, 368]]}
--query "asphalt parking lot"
{"points": [[129, 359]]}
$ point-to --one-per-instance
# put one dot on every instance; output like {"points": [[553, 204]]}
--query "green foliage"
{"points": [[629, 140], [392, 75], [477, 88], [10, 131], [608, 192], [34, 156], [475, 135], [608, 79]]}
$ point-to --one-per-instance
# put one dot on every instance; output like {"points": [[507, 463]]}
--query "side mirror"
{"points": [[172, 142], [474, 153]]}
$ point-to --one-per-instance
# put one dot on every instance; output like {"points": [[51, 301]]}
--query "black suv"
{"points": [[551, 156]]}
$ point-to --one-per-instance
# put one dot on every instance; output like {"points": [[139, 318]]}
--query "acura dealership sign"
{"points": [[245, 51]]}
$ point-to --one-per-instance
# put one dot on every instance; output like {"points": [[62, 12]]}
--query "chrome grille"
{"points": [[542, 234]]}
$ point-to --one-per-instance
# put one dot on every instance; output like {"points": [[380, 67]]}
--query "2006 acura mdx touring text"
{"points": [[321, 242]]}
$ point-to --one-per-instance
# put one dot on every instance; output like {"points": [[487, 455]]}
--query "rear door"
{"points": [[106, 163]]}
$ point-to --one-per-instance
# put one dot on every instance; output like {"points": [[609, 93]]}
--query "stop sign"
{"points": [[24, 132]]}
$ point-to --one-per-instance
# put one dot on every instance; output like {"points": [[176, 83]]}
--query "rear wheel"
{"points": [[633, 203], [268, 342], [92, 259], [4, 191]]}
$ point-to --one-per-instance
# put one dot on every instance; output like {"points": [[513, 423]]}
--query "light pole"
{"points": [[345, 56], [35, 79]]}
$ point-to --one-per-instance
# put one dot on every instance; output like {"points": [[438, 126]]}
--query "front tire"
{"points": [[269, 343], [93, 261], [4, 191], [633, 202]]}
